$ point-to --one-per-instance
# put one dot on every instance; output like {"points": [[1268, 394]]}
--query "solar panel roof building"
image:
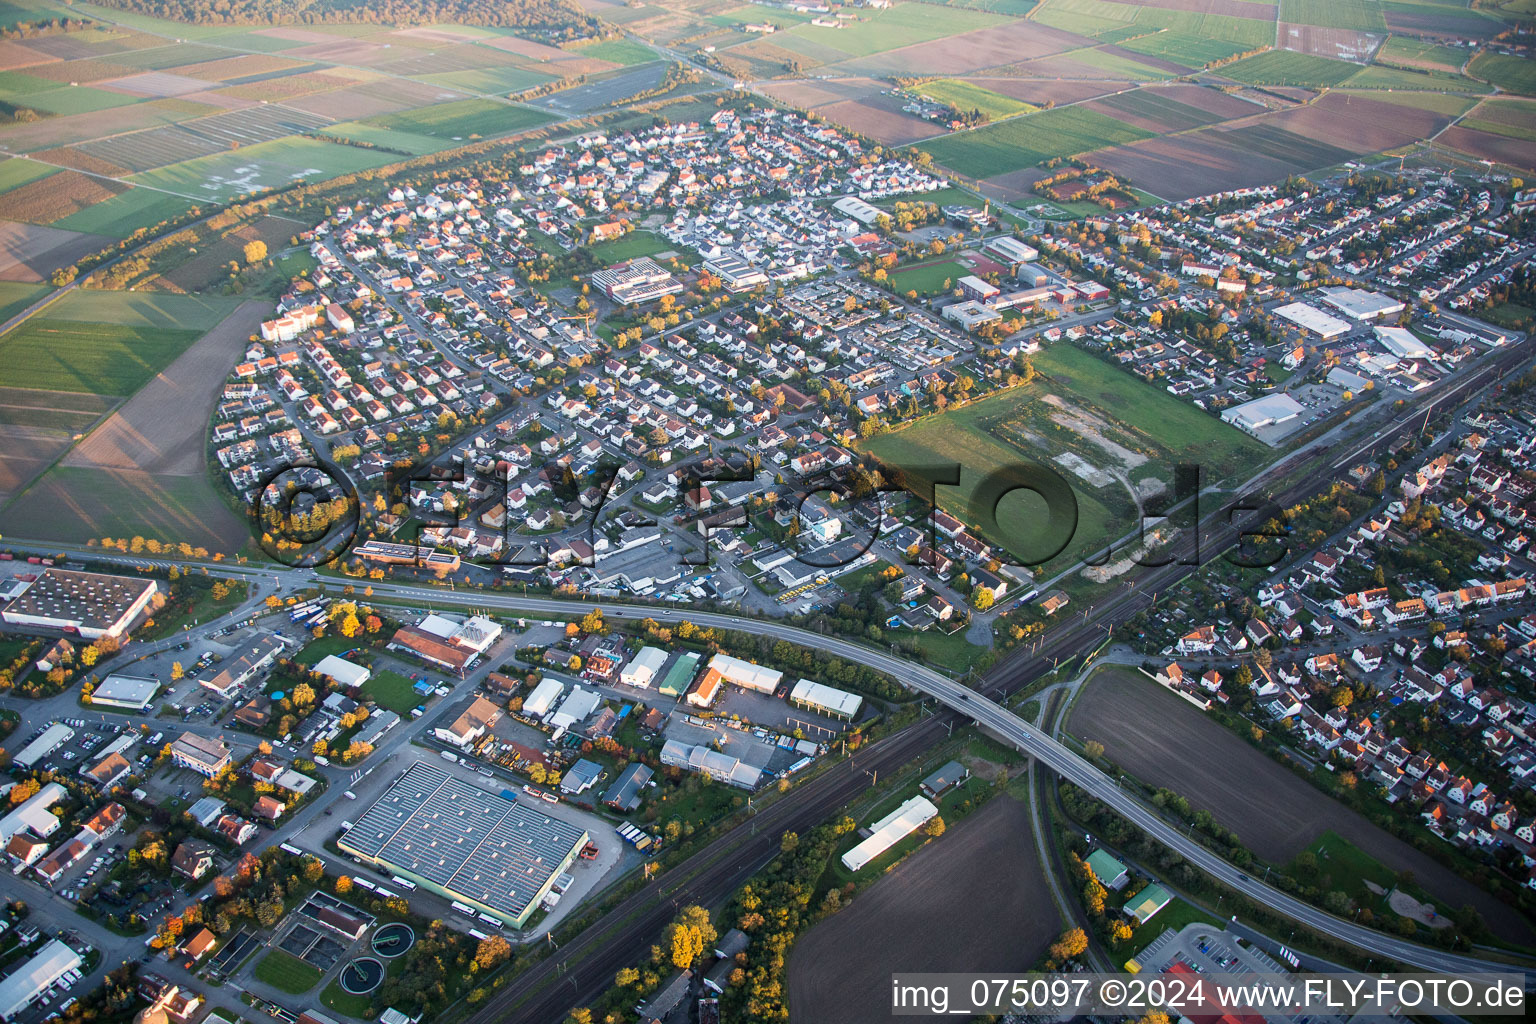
{"points": [[464, 843]]}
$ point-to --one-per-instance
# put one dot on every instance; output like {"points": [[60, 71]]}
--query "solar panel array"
{"points": [[472, 844]]}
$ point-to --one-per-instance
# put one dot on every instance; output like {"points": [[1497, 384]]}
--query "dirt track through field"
{"points": [[160, 429], [973, 900], [1166, 742]]}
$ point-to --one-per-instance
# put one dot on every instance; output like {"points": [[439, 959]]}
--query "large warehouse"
{"points": [[89, 604], [828, 700], [1262, 412], [32, 978], [745, 674], [1310, 318], [1359, 304], [461, 842], [889, 831], [132, 693]]}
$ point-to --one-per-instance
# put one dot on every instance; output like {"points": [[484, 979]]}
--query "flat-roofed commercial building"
{"points": [[52, 738], [36, 814], [890, 830], [200, 753], [745, 674], [1262, 412], [1310, 318], [89, 604], [637, 281], [463, 843], [1011, 251], [131, 692], [1359, 304], [32, 978], [828, 700], [858, 209]]}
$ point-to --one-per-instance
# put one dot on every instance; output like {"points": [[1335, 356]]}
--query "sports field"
{"points": [[629, 246], [1080, 411], [1025, 141], [929, 278], [462, 119], [967, 97]]}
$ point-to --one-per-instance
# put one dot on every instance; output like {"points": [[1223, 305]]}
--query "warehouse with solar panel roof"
{"points": [[488, 851]]}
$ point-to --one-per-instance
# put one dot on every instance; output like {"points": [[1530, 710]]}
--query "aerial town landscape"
{"points": [[607, 511]]}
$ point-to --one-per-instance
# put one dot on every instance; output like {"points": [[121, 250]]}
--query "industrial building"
{"points": [[890, 830], [1359, 304], [858, 209], [828, 700], [132, 693], [735, 273], [1310, 318], [1254, 416], [52, 738], [32, 979], [89, 604], [35, 814], [1404, 343], [643, 667], [679, 676], [465, 844], [745, 674], [346, 673], [543, 697]]}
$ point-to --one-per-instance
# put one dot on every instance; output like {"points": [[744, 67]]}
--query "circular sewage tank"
{"points": [[393, 939], [362, 976]]}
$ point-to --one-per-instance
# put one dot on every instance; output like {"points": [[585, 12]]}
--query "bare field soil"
{"points": [[1488, 146], [811, 93], [57, 196], [36, 427], [971, 51], [30, 253], [18, 55], [1342, 43], [1039, 93], [1358, 124], [1162, 110], [1166, 742], [881, 118], [1438, 21], [372, 99], [973, 900], [1185, 166], [160, 429], [156, 83]]}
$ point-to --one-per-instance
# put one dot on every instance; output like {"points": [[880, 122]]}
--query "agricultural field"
{"points": [[1363, 15], [835, 974], [966, 96], [1513, 74], [1287, 67], [1510, 118], [1422, 55], [220, 177], [95, 358], [618, 51], [461, 119], [1401, 79], [1026, 141], [1185, 37], [1164, 741]]}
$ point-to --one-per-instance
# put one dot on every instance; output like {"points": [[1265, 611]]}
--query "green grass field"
{"points": [[1513, 74], [266, 165], [620, 51], [101, 359], [1287, 67], [898, 26], [390, 689], [630, 246], [392, 138], [462, 119], [1378, 76], [75, 504], [144, 309], [16, 296], [119, 216], [76, 99], [490, 81], [1175, 915], [1448, 104], [929, 278], [1188, 48], [1026, 141], [15, 171], [1364, 15], [1417, 53], [287, 973], [967, 97]]}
